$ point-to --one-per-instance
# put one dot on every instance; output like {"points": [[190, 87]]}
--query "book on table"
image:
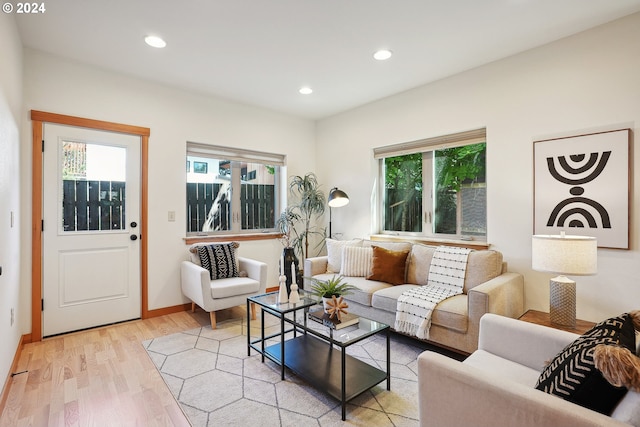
{"points": [[345, 320]]}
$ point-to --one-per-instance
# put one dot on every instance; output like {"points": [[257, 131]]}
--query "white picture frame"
{"points": [[581, 186]]}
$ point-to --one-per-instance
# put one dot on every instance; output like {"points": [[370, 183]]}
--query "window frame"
{"points": [[428, 148], [237, 156]]}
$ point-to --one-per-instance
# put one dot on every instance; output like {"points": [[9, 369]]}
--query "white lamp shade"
{"points": [[337, 198], [570, 255]]}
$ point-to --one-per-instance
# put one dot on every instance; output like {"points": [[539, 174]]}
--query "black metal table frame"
{"points": [[297, 327]]}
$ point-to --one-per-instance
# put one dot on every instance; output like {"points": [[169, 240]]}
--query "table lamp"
{"points": [[562, 254], [336, 199]]}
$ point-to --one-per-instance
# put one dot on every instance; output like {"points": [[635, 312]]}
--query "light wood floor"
{"points": [[100, 377]]}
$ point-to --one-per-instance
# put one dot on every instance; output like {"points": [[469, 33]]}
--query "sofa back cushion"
{"points": [[482, 265], [334, 252], [419, 263]]}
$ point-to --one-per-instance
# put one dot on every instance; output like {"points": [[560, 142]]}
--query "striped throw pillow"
{"points": [[356, 261]]}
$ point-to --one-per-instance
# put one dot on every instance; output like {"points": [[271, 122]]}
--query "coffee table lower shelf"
{"points": [[320, 364]]}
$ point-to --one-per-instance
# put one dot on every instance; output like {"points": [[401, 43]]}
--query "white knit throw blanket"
{"points": [[446, 279]]}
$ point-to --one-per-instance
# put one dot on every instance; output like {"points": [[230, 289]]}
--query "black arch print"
{"points": [[580, 216]]}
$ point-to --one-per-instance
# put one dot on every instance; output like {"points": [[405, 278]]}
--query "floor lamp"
{"points": [[572, 255], [336, 199]]}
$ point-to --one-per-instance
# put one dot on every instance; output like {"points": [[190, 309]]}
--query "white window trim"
{"points": [[427, 146], [197, 149]]}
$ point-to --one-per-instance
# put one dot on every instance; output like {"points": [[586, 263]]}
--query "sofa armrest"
{"points": [[525, 343], [314, 266], [195, 282], [256, 270], [454, 394], [502, 295]]}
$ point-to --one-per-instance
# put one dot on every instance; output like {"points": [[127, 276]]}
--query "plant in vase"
{"points": [[285, 224], [327, 289], [310, 205]]}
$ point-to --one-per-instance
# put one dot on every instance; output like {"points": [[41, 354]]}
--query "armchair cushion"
{"points": [[233, 286], [572, 374], [219, 259]]}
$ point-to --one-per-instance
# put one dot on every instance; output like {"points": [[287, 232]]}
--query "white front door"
{"points": [[91, 228]]}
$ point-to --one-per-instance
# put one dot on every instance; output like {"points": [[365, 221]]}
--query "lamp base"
{"points": [[562, 302]]}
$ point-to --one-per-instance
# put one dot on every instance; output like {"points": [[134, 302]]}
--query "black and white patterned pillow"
{"points": [[572, 375], [219, 259]]}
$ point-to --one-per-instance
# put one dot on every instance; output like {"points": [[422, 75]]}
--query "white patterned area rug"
{"points": [[217, 384]]}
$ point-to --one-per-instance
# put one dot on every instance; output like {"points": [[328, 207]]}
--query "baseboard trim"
{"points": [[168, 310], [24, 339]]}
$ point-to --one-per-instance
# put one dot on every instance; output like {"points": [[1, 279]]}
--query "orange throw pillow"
{"points": [[388, 266]]}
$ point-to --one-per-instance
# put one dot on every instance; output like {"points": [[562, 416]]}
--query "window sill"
{"points": [[471, 244], [231, 237]]}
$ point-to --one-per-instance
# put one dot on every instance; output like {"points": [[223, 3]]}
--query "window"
{"points": [[231, 190], [435, 187]]}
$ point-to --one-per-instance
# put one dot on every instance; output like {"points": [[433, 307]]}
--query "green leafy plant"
{"points": [[285, 224], [328, 288], [310, 205]]}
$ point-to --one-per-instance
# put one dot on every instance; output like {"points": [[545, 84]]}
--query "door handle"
{"points": [[133, 237], [134, 224]]}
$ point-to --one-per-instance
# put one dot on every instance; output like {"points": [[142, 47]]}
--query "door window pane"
{"points": [[93, 187]]}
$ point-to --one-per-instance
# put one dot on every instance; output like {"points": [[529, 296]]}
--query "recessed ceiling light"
{"points": [[306, 90], [383, 54], [154, 41]]}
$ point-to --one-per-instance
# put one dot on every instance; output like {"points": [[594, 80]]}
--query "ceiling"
{"points": [[260, 52]]}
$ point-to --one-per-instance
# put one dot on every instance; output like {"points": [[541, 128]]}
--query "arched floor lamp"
{"points": [[336, 199]]}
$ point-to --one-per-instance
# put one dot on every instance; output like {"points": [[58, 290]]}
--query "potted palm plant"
{"points": [[296, 222], [310, 205], [326, 289]]}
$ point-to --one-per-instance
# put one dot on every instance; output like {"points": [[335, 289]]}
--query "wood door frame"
{"points": [[38, 119]]}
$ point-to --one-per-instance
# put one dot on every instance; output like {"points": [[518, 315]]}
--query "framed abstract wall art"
{"points": [[581, 186]]}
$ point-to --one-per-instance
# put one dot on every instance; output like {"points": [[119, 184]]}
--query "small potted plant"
{"points": [[330, 287]]}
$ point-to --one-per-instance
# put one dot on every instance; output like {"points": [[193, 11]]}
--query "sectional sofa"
{"points": [[488, 287]]}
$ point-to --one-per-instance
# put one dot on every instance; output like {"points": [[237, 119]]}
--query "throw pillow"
{"points": [[334, 253], [219, 259], [572, 374], [388, 266], [356, 262]]}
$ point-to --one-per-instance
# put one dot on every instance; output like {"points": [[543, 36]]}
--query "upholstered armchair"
{"points": [[215, 278]]}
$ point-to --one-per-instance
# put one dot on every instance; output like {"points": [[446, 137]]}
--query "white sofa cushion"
{"points": [[392, 246], [419, 263], [482, 266], [366, 288]]}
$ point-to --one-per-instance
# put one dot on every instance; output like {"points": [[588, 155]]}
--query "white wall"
{"points": [[10, 115], [582, 83], [56, 85]]}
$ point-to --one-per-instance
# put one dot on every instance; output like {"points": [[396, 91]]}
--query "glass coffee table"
{"points": [[316, 352]]}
